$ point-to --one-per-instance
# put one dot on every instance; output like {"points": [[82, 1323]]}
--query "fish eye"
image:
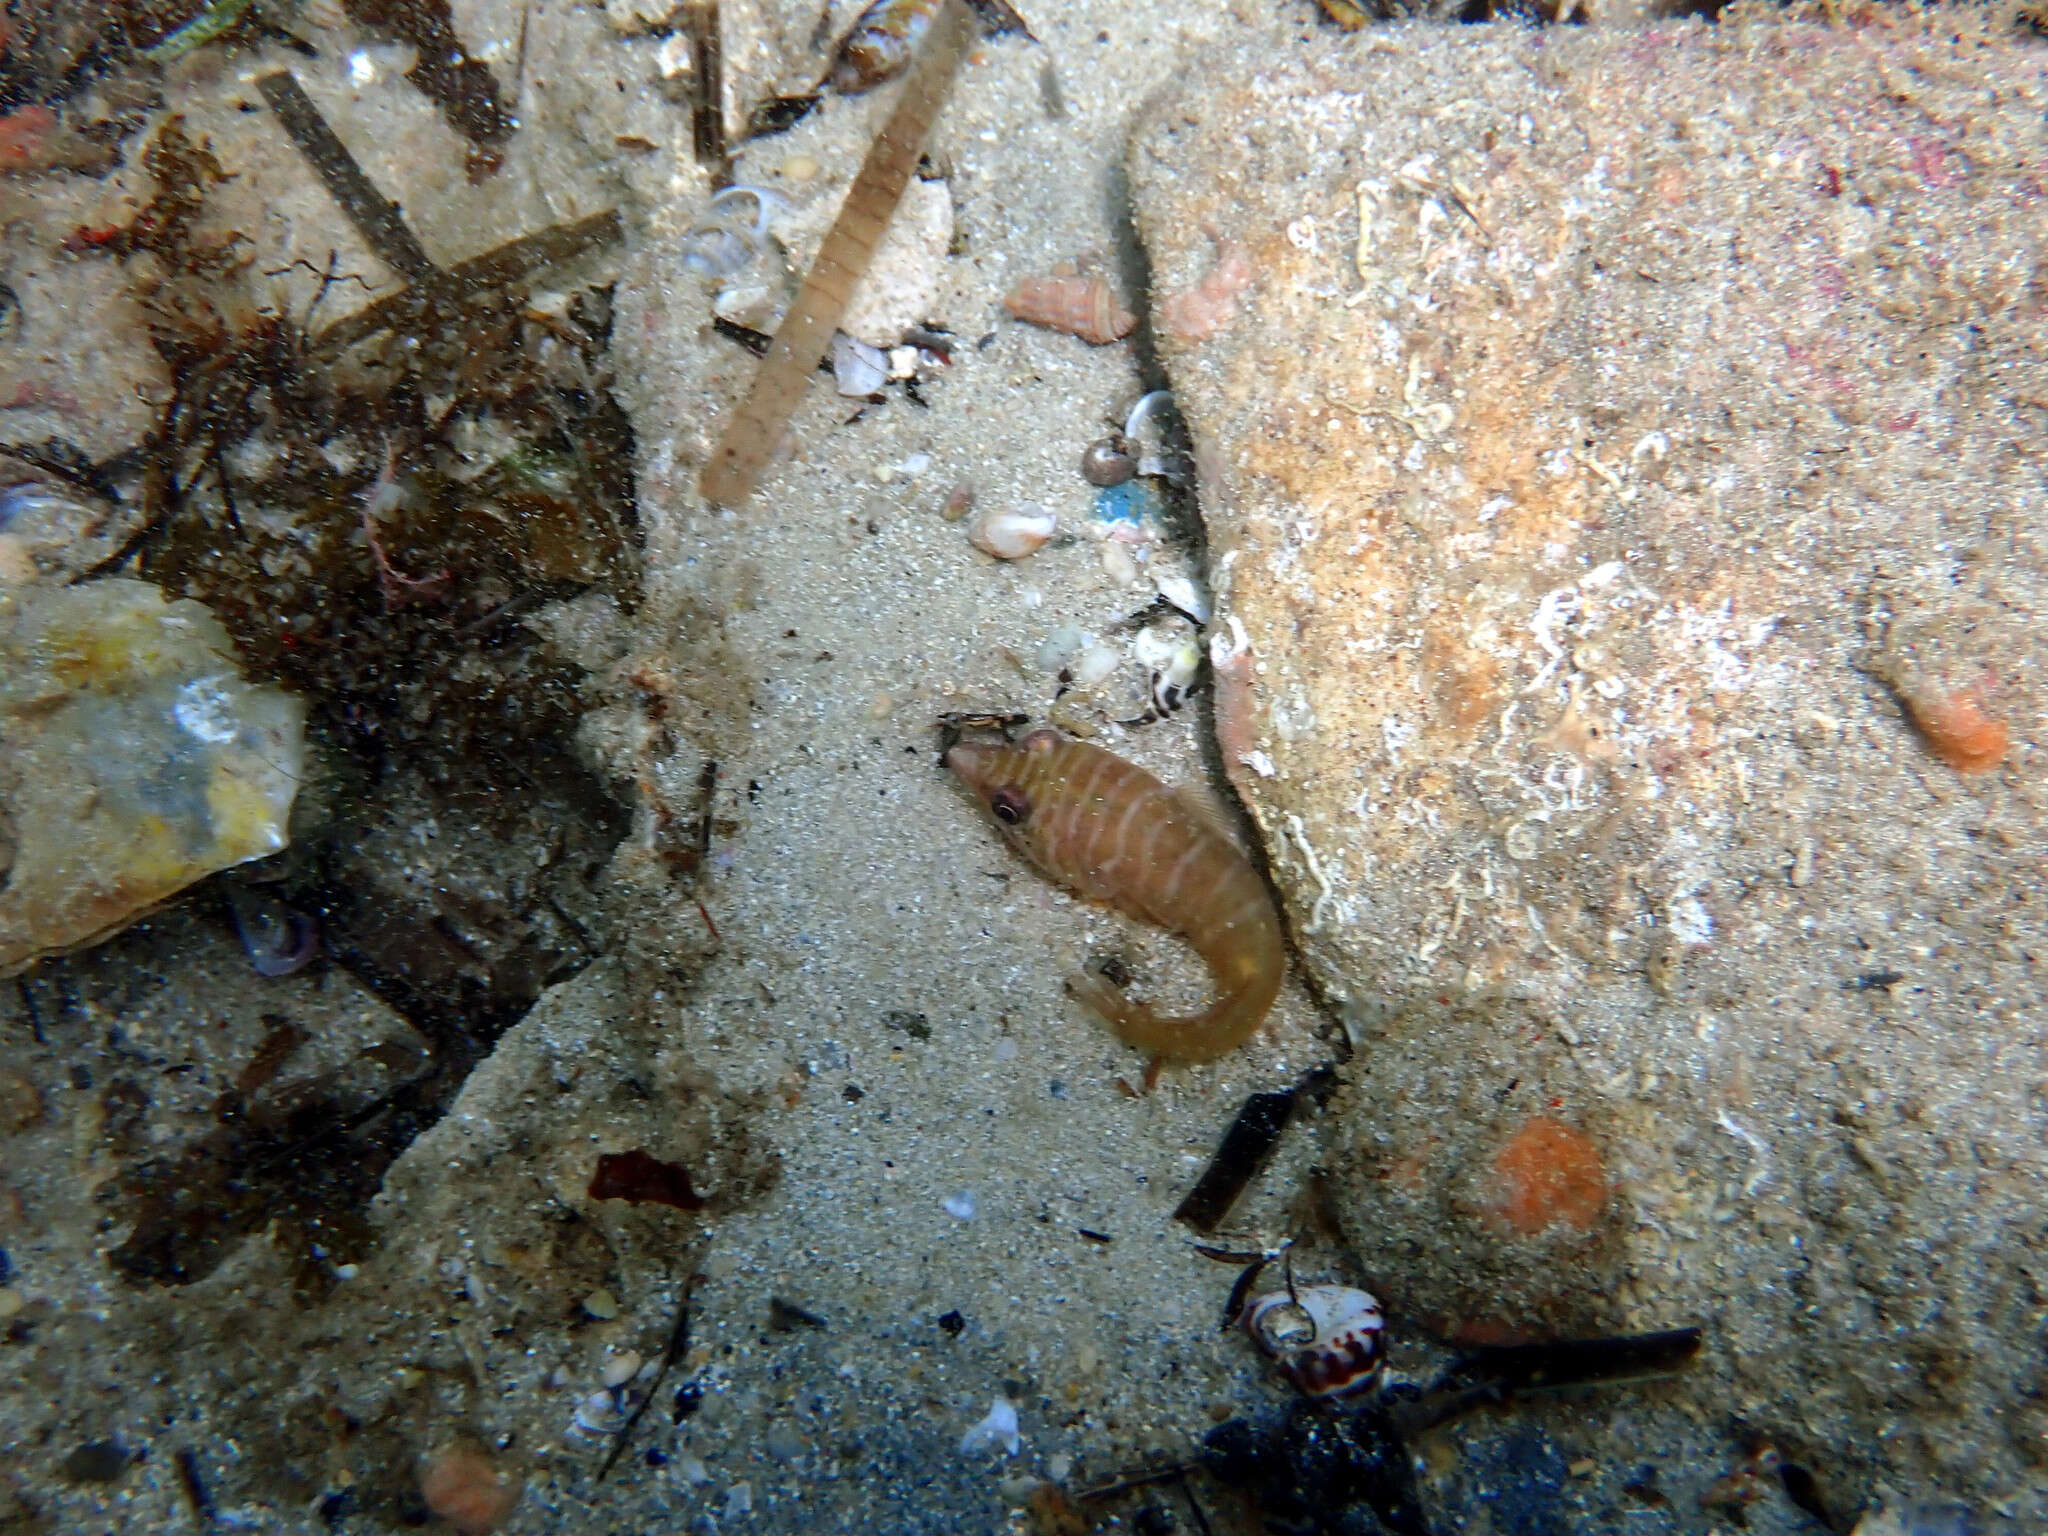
{"points": [[1010, 806]]}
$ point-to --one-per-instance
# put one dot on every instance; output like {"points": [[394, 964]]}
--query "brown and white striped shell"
{"points": [[1086, 307], [1327, 1339]]}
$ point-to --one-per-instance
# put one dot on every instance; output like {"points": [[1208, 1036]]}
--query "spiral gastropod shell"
{"points": [[1328, 1340]]}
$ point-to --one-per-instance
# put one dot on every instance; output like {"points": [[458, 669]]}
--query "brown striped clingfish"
{"points": [[1109, 830]]}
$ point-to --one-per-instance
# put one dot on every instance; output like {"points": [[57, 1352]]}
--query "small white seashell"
{"points": [[693, 1470], [597, 1414], [960, 1205], [621, 1369], [1012, 532], [998, 1429]]}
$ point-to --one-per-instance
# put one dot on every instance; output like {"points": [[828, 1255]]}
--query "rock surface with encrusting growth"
{"points": [[1622, 452]]}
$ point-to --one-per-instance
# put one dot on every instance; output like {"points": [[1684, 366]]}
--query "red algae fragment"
{"points": [[644, 1180], [466, 1487], [1547, 1175]]}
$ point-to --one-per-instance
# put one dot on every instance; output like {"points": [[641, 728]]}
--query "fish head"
{"points": [[1006, 778]]}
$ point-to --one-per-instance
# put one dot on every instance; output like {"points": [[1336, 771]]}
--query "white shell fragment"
{"points": [[134, 758], [998, 1429], [1184, 594], [1327, 1339], [1011, 533], [857, 368]]}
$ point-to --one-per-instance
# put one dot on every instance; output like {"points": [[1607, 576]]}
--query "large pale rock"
{"points": [[1623, 455], [134, 760]]}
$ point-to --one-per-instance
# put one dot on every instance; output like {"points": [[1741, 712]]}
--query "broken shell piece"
{"points": [[999, 1428], [1081, 306], [1011, 533], [135, 758], [1327, 1339], [1182, 592], [857, 368]]}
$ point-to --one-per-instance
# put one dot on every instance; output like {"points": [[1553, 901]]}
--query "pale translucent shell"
{"points": [[1011, 533]]}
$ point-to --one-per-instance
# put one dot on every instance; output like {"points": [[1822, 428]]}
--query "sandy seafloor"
{"points": [[944, 1170]]}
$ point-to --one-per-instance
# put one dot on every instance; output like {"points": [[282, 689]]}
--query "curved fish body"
{"points": [[1111, 831]]}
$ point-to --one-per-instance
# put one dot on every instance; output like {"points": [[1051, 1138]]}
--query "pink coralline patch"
{"points": [[23, 134], [1198, 313], [1938, 164], [1547, 1175], [468, 1489], [35, 395]]}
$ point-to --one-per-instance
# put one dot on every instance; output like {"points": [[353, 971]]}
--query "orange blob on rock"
{"points": [[1548, 1175], [467, 1488], [1958, 731]]}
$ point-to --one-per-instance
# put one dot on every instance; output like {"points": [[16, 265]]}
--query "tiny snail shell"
{"points": [[1081, 306], [1011, 533], [1108, 461], [1327, 1339]]}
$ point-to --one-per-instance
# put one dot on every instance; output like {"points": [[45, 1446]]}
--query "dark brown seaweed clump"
{"points": [[372, 515]]}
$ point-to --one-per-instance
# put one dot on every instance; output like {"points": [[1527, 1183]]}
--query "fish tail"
{"points": [[1216, 1031]]}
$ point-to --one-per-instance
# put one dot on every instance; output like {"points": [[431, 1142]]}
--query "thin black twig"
{"points": [[678, 1346], [376, 218]]}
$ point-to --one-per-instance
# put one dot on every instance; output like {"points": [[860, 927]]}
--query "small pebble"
{"points": [[693, 1470], [800, 168], [1585, 1466], [1118, 565], [1095, 665], [11, 1302], [602, 1305], [961, 1205], [17, 564], [739, 1500], [96, 1461], [784, 1441], [959, 502], [1061, 647]]}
